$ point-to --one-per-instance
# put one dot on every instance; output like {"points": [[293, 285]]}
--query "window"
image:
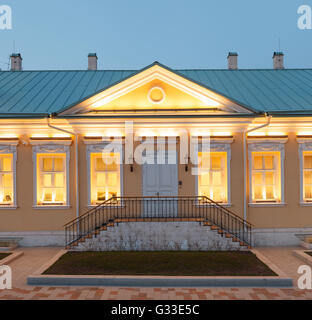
{"points": [[266, 177], [51, 179], [6, 179], [105, 176], [212, 178], [307, 176]]}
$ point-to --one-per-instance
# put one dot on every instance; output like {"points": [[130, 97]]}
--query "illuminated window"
{"points": [[266, 177], [307, 176], [105, 176], [51, 179], [212, 179], [6, 179]]}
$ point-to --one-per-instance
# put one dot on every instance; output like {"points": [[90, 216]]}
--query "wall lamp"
{"points": [[131, 160], [187, 159]]}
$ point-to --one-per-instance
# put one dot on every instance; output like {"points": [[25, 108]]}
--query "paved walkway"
{"points": [[284, 259], [34, 258]]}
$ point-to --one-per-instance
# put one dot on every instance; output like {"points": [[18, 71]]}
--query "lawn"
{"points": [[171, 263], [4, 255]]}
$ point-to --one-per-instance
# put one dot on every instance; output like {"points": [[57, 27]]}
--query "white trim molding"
{"points": [[157, 72], [103, 140], [149, 95], [50, 148], [98, 147], [220, 146], [43, 142], [304, 145], [271, 139], [11, 148], [264, 145]]}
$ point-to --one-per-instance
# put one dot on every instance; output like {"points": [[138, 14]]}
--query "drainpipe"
{"points": [[76, 161], [245, 159]]}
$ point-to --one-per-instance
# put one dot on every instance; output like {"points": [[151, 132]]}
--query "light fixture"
{"points": [[187, 160], [131, 160]]}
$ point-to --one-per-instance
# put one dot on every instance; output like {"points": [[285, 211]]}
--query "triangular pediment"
{"points": [[157, 89]]}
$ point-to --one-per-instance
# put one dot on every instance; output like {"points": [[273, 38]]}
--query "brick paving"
{"points": [[34, 258]]}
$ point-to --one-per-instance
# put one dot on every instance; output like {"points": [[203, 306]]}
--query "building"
{"points": [[54, 126]]}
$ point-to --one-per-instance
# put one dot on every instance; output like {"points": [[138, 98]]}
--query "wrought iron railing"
{"points": [[140, 209]]}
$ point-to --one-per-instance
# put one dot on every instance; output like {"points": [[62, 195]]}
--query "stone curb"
{"points": [[13, 256], [300, 254], [131, 281], [50, 262], [38, 279], [269, 263]]}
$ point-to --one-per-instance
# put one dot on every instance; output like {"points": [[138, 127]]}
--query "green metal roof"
{"points": [[34, 93]]}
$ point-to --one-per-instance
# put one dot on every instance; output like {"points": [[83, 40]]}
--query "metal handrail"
{"points": [[86, 213], [157, 207], [226, 209]]}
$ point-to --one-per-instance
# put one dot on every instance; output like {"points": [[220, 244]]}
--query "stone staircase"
{"points": [[157, 236], [180, 223]]}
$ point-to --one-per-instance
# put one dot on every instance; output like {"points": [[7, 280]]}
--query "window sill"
{"points": [[267, 204], [92, 206], [225, 205], [8, 207], [306, 204], [57, 207]]}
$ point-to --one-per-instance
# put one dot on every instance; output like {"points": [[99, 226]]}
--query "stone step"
{"points": [[177, 232]]}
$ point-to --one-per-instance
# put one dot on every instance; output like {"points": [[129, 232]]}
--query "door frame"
{"points": [[176, 187]]}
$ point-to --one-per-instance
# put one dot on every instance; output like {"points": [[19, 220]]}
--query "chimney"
{"points": [[232, 61], [16, 62], [92, 61], [278, 60]]}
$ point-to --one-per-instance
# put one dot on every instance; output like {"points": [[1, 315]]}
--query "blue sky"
{"points": [[130, 34]]}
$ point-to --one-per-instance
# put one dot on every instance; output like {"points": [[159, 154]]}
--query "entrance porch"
{"points": [[166, 210]]}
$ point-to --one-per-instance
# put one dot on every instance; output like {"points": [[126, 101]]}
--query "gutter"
{"points": [[76, 161], [268, 118]]}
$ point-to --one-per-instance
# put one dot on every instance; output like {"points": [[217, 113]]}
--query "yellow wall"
{"points": [[27, 218], [138, 99], [292, 214]]}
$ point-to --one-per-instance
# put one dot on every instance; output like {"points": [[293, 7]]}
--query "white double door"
{"points": [[161, 180]]}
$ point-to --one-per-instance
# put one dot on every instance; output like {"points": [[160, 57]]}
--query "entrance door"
{"points": [[160, 180]]}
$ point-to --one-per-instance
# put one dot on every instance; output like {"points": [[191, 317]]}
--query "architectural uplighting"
{"points": [[267, 134], [8, 136], [305, 133], [222, 134], [61, 135], [39, 136]]}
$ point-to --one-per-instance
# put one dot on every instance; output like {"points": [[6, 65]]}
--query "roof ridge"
{"points": [[135, 70], [248, 69], [90, 71]]}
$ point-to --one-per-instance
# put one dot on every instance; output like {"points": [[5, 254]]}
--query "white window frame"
{"points": [[11, 149], [304, 145], [51, 148], [267, 145], [224, 146], [98, 148]]}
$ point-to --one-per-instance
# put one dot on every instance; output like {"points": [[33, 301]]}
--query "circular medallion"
{"points": [[156, 95]]}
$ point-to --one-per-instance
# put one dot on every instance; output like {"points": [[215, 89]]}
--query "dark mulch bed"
{"points": [[4, 255], [171, 263]]}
